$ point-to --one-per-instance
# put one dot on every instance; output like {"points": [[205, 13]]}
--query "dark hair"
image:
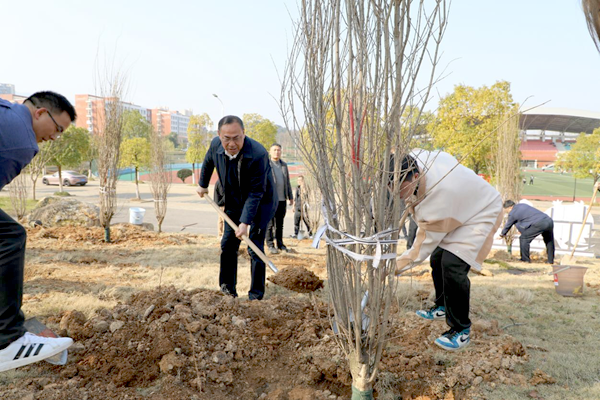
{"points": [[275, 144], [230, 119], [508, 204], [408, 168], [55, 102]]}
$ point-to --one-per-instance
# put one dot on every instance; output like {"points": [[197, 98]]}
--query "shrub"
{"points": [[183, 174]]}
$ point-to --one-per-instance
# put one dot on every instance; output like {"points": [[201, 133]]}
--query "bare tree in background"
{"points": [[37, 166], [507, 165], [18, 195], [354, 69], [591, 9], [160, 176], [112, 89]]}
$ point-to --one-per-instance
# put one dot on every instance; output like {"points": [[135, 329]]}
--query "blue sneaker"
{"points": [[453, 340], [434, 313]]}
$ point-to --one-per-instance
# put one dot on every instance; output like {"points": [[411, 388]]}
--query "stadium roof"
{"points": [[560, 120]]}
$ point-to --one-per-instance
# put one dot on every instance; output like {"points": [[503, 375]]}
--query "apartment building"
{"points": [[7, 88], [90, 111], [166, 121]]}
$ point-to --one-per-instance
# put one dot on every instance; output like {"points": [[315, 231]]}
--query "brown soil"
{"points": [[173, 344], [200, 344], [298, 279]]}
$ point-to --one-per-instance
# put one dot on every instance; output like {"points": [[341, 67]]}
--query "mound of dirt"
{"points": [[298, 279], [170, 344], [128, 234]]}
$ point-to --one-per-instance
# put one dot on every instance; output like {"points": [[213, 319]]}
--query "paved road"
{"points": [[184, 206]]}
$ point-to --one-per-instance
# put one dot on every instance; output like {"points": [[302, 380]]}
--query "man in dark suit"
{"points": [[250, 199], [530, 222]]}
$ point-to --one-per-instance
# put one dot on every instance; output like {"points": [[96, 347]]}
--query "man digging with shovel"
{"points": [[457, 213], [250, 199]]}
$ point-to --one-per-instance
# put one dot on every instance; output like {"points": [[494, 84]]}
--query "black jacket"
{"points": [[255, 179], [287, 186]]}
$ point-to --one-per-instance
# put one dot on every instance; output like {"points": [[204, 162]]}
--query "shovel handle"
{"points": [[245, 238], [584, 220]]}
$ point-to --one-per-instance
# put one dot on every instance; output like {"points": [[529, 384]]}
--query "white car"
{"points": [[69, 178]]}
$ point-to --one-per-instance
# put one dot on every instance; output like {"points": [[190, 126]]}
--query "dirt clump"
{"points": [[298, 279]]}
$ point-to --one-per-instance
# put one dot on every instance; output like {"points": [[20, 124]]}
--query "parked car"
{"points": [[69, 178], [549, 167]]}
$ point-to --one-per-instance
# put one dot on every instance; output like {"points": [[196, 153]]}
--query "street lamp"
{"points": [[222, 106]]}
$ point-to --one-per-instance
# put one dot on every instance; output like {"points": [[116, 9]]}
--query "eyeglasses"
{"points": [[59, 128]]}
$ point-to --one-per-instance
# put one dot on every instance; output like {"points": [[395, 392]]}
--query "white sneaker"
{"points": [[31, 348]]}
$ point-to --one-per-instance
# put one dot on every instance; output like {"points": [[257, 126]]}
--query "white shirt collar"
{"points": [[230, 156]]}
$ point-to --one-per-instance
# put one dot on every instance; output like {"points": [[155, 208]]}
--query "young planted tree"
{"points": [[198, 140], [38, 164], [18, 195], [112, 90], [353, 70], [92, 154], [70, 150], [507, 165], [135, 152], [160, 176]]}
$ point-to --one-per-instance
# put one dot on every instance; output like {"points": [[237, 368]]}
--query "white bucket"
{"points": [[136, 215]]}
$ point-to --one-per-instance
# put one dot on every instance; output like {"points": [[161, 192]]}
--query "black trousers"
{"points": [[299, 216], [412, 232], [452, 287], [230, 245], [13, 238], [276, 224], [544, 228]]}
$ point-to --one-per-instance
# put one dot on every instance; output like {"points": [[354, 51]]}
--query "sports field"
{"points": [[551, 184]]}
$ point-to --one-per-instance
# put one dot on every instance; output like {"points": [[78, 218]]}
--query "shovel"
{"points": [[568, 259], [245, 238]]}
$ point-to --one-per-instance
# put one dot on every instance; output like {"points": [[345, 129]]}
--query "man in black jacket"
{"points": [[281, 176], [531, 223], [301, 209], [250, 199]]}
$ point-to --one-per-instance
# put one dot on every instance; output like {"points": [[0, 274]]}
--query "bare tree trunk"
{"points": [[137, 185], [507, 165], [160, 177], [60, 182], [18, 195], [112, 89], [37, 165], [354, 69], [193, 173]]}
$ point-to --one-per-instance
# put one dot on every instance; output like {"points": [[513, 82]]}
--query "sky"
{"points": [[179, 53]]}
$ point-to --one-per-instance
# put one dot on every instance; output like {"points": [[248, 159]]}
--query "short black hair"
{"points": [[275, 144], [408, 168], [508, 204], [55, 102], [230, 119]]}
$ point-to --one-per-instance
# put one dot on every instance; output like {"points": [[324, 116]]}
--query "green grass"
{"points": [[556, 184], [6, 205]]}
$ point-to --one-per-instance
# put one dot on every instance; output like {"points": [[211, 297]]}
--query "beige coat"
{"points": [[454, 208]]}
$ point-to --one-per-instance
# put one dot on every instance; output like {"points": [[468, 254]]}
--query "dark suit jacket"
{"points": [[255, 179]]}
